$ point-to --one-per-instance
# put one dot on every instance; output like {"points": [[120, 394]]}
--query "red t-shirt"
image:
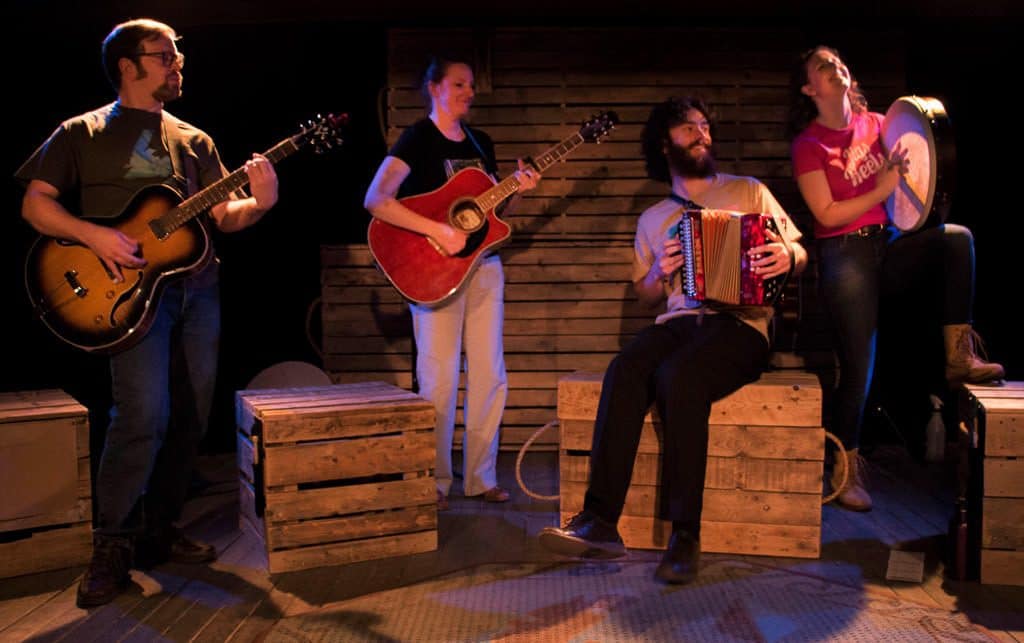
{"points": [[851, 158]]}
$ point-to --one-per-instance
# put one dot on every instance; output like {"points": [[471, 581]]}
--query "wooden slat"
{"points": [[353, 551], [247, 456], [752, 474], [39, 405], [1004, 477], [367, 408], [1002, 567], [366, 525], [283, 506], [1004, 432], [796, 541], [44, 550], [39, 472], [760, 507], [339, 459], [1002, 524], [778, 398]]}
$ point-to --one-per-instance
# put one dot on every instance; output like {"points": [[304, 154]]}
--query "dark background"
{"points": [[256, 70]]}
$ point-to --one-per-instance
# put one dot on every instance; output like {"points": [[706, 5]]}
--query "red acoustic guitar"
{"points": [[75, 296], [417, 267]]}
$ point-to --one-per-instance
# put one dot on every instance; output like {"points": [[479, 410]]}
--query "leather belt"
{"points": [[866, 231]]}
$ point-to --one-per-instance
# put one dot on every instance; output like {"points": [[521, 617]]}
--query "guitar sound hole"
{"points": [[474, 241], [466, 217]]}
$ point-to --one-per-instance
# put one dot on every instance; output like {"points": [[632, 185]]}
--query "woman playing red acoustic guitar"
{"points": [[427, 154]]}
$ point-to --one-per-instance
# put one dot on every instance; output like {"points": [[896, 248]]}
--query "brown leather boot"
{"points": [[853, 495], [107, 575], [962, 362]]}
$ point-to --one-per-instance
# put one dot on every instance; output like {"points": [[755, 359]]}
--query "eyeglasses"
{"points": [[691, 127], [167, 58]]}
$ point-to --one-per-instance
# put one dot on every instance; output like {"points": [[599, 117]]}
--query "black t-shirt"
{"points": [[433, 158], [99, 160]]}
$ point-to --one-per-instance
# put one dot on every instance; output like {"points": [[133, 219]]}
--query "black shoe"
{"points": [[171, 544], [107, 575], [584, 536], [679, 563], [192, 552]]}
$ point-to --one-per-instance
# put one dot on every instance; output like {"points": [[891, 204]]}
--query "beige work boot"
{"points": [[962, 362], [853, 495]]}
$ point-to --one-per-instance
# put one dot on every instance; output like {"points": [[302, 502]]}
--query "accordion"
{"points": [[716, 265]]}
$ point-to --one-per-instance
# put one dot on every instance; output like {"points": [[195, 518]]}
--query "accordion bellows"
{"points": [[716, 264]]}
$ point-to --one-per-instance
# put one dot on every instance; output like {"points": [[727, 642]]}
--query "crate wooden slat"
{"points": [[762, 491], [1002, 505], [336, 474], [45, 484], [44, 549]]}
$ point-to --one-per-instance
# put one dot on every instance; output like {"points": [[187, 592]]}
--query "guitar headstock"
{"points": [[599, 126], [323, 133]]}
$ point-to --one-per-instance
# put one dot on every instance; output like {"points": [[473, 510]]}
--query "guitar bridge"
{"points": [[71, 276]]}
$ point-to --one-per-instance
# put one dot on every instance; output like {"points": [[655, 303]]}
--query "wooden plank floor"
{"points": [[235, 600]]}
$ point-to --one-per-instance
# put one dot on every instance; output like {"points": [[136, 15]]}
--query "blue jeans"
{"points": [[162, 391], [856, 274], [682, 366]]}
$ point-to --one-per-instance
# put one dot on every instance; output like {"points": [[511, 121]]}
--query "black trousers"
{"points": [[682, 366]]}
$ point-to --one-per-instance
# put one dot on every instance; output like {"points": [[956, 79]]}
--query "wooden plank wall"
{"points": [[569, 304]]}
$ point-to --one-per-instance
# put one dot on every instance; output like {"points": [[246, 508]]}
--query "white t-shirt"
{"points": [[659, 222]]}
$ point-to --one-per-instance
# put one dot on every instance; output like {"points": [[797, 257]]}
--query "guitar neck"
{"points": [[510, 185], [220, 191]]}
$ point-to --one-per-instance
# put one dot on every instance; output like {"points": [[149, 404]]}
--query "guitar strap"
{"points": [[483, 158], [186, 173], [472, 139], [686, 203], [183, 162]]}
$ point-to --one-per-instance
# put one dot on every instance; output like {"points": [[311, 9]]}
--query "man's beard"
{"points": [[165, 93], [683, 163]]}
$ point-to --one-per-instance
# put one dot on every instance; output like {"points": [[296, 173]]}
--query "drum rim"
{"points": [[925, 109]]}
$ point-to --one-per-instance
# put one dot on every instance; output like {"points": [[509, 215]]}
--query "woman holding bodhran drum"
{"points": [[846, 175]]}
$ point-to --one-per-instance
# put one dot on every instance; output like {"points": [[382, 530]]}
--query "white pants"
{"points": [[474, 319]]}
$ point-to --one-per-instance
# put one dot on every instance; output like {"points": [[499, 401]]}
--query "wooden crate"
{"points": [[45, 485], [762, 492], [1000, 411], [337, 474]]}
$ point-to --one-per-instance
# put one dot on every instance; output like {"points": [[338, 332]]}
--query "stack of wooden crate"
{"points": [[762, 492], [1000, 415], [45, 492], [337, 474]]}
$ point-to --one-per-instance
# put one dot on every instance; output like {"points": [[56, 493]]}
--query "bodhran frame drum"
{"points": [[919, 125]]}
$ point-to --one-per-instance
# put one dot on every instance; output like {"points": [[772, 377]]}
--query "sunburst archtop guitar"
{"points": [[417, 267], [75, 296]]}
